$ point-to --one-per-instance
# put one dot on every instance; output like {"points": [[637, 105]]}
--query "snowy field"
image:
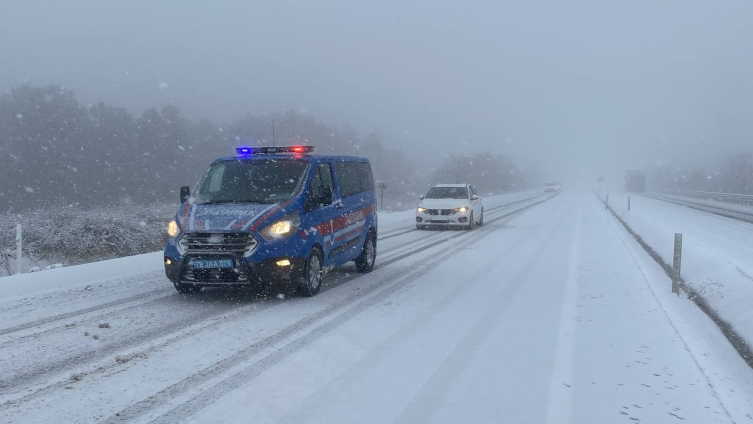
{"points": [[549, 313], [717, 252]]}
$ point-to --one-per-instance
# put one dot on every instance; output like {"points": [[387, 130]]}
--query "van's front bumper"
{"points": [[275, 271]]}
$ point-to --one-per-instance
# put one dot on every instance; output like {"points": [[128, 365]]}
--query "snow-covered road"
{"points": [[550, 313]]}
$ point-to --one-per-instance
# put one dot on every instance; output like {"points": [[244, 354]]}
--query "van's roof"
{"points": [[450, 185]]}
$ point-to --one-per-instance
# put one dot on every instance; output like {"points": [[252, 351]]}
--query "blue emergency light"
{"points": [[247, 151]]}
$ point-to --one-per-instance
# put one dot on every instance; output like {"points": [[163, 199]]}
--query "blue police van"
{"points": [[273, 217]]}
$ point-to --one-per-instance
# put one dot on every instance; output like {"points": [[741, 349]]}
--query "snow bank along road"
{"points": [[549, 313], [717, 252]]}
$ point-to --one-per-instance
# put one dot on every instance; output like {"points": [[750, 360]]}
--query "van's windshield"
{"points": [[252, 181]]}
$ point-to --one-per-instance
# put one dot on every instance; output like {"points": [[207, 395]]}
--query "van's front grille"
{"points": [[208, 243]]}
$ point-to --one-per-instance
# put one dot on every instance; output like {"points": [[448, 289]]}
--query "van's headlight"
{"points": [[172, 228], [282, 228], [420, 209], [461, 209]]}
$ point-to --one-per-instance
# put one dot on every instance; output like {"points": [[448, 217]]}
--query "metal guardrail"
{"points": [[738, 199], [718, 209]]}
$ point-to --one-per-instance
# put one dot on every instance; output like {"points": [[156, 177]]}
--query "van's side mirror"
{"points": [[185, 193], [421, 197], [474, 197]]}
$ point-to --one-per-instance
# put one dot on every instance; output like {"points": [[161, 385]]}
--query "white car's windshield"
{"points": [[447, 193]]}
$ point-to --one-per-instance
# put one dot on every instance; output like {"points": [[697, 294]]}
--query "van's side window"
{"points": [[321, 184], [367, 178], [348, 178]]}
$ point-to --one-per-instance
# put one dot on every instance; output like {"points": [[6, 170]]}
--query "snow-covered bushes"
{"points": [[70, 235]]}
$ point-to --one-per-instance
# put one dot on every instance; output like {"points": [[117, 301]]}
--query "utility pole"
{"points": [[19, 247], [677, 264]]}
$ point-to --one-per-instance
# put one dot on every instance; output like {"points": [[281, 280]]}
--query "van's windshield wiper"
{"points": [[215, 202], [257, 201], [238, 201]]}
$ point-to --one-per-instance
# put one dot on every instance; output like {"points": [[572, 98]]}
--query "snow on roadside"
{"points": [[78, 275], [717, 253]]}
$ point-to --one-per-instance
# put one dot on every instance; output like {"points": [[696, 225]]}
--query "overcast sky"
{"points": [[593, 85]]}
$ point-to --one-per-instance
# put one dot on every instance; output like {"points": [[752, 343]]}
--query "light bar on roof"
{"points": [[247, 151]]}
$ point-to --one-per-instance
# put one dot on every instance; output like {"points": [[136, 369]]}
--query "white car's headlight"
{"points": [[461, 209], [420, 209], [282, 228], [172, 228]]}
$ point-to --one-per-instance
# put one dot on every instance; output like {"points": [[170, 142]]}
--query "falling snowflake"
{"points": [[163, 85], [20, 116], [29, 189]]}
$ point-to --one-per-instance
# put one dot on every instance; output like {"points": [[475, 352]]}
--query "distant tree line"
{"points": [[54, 150], [732, 174]]}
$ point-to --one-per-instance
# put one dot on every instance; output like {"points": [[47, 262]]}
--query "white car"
{"points": [[549, 187], [450, 205]]}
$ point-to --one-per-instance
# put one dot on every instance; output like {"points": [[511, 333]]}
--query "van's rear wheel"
{"points": [[186, 288], [311, 278], [365, 261]]}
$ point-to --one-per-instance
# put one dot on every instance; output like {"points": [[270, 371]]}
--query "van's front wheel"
{"points": [[311, 278], [365, 261]]}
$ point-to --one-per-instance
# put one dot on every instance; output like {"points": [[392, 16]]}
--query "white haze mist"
{"points": [[575, 88]]}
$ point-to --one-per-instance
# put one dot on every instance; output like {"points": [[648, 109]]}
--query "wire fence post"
{"points": [[677, 264], [628, 203], [19, 247], [606, 203]]}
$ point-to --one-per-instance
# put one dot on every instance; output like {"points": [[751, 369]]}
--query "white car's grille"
{"points": [[440, 211]]}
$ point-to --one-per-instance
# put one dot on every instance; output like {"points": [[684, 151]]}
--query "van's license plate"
{"points": [[212, 263]]}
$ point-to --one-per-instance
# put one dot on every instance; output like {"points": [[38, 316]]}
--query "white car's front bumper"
{"points": [[443, 218]]}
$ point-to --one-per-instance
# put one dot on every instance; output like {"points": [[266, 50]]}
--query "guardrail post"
{"points": [[677, 264], [19, 247]]}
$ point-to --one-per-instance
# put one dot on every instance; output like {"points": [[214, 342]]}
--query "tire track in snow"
{"points": [[425, 404], [135, 298], [78, 362], [363, 300], [113, 305], [559, 406]]}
